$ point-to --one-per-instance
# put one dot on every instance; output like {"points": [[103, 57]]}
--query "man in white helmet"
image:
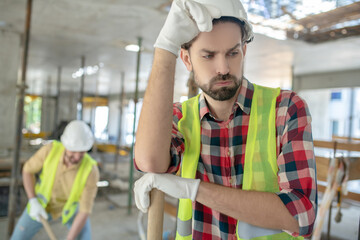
{"points": [[60, 181], [245, 152]]}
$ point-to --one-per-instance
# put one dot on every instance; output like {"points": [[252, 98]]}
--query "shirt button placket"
{"points": [[228, 127], [233, 181]]}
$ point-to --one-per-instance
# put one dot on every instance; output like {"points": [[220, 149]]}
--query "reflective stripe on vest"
{"points": [[45, 183], [262, 111]]}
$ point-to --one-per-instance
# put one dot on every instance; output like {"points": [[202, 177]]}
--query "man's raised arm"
{"points": [[152, 148], [183, 23]]}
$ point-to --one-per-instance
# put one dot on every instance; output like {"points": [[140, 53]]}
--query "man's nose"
{"points": [[222, 65]]}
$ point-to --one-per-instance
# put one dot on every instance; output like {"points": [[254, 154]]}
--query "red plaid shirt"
{"points": [[222, 158]]}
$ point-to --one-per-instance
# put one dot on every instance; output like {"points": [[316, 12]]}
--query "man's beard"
{"points": [[221, 93], [72, 160]]}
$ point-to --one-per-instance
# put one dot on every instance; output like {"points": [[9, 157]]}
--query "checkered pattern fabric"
{"points": [[223, 153]]}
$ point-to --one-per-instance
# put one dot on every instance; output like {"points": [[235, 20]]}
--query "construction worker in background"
{"points": [[245, 151], [65, 186]]}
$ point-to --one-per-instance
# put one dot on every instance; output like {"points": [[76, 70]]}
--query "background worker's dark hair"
{"points": [[241, 24]]}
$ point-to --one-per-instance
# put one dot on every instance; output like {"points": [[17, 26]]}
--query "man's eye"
{"points": [[233, 53], [209, 56]]}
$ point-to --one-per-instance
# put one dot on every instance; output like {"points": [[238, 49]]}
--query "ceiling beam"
{"points": [[324, 26], [335, 16], [318, 37]]}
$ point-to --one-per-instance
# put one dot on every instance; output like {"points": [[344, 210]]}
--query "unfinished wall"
{"points": [[339, 79], [9, 64], [316, 89]]}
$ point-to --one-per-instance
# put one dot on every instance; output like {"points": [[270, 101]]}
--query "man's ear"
{"points": [[185, 57]]}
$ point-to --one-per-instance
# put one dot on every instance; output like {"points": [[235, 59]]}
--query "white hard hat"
{"points": [[232, 8], [77, 137]]}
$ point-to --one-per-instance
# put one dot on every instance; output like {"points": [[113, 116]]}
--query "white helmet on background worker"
{"points": [[77, 137], [232, 8]]}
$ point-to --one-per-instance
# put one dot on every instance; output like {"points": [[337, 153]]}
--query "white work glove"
{"points": [[36, 210], [185, 20], [172, 185]]}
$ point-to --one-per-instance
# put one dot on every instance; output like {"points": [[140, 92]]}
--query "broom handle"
{"points": [[47, 228], [155, 215]]}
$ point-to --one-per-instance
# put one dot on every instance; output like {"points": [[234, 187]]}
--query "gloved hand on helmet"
{"points": [[36, 210], [184, 22], [172, 185]]}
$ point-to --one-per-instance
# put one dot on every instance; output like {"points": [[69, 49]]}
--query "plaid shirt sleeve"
{"points": [[297, 175], [177, 142]]}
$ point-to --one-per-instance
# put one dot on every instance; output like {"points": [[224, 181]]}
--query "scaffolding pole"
{"points": [[93, 114], [80, 111], [131, 171], [46, 127], [351, 115], [57, 103], [122, 97], [19, 123]]}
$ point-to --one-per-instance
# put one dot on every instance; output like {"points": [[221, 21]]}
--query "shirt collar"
{"points": [[243, 100], [245, 96]]}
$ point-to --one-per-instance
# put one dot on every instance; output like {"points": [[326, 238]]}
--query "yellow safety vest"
{"points": [[46, 179], [260, 168]]}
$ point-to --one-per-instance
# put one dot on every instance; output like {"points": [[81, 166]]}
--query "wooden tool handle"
{"points": [[155, 215], [47, 228]]}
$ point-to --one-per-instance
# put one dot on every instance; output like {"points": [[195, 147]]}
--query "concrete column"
{"points": [[9, 65], [67, 105], [47, 113], [47, 108]]}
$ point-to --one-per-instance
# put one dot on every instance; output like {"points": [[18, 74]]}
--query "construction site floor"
{"points": [[108, 222], [110, 218]]}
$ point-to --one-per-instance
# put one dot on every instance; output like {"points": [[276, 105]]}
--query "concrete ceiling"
{"points": [[64, 30]]}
